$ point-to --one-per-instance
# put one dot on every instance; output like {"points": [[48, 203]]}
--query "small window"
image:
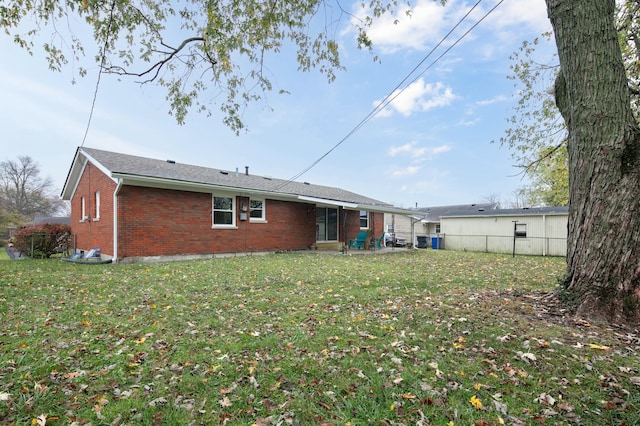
{"points": [[364, 219], [437, 228], [83, 209], [521, 230], [223, 211], [96, 213], [256, 210]]}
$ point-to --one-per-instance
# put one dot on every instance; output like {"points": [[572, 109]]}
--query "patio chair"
{"points": [[377, 243], [358, 242]]}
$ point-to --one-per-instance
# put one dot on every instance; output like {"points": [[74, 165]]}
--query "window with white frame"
{"points": [[437, 228], [257, 210], [364, 219], [224, 209], [96, 213], [83, 209]]}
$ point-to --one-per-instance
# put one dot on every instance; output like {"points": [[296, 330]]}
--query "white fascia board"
{"points": [[385, 209], [326, 202]]}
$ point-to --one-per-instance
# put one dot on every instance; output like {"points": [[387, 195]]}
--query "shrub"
{"points": [[41, 241]]}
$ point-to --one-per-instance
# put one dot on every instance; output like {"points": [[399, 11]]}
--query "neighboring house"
{"points": [[136, 208], [62, 220], [425, 221], [530, 231]]}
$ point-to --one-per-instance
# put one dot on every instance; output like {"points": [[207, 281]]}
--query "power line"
{"points": [[102, 61], [390, 97]]}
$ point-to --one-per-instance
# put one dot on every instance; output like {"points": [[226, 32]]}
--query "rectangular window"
{"points": [[521, 230], [83, 209], [326, 224], [364, 219], [437, 228], [224, 209], [256, 210], [96, 214]]}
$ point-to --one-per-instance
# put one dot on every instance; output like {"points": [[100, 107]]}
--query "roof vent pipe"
{"points": [[236, 172], [246, 170]]}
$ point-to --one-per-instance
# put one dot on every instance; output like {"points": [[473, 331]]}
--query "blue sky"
{"points": [[431, 146]]}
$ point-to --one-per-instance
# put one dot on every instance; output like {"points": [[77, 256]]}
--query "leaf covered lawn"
{"points": [[417, 338]]}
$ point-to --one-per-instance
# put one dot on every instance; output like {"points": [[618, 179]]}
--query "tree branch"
{"points": [[157, 67]]}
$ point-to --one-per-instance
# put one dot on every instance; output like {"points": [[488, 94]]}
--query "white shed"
{"points": [[529, 231]]}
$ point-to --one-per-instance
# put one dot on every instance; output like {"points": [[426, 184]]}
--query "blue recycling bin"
{"points": [[436, 243]]}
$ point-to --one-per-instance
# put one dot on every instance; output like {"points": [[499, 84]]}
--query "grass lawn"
{"points": [[417, 338]]}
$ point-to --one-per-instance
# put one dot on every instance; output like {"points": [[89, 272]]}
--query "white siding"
{"points": [[546, 234]]}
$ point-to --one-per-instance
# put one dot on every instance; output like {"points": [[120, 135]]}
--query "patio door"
{"points": [[326, 224]]}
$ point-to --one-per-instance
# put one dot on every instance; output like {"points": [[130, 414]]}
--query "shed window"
{"points": [[521, 230]]}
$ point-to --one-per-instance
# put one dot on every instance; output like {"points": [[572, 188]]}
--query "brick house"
{"points": [[137, 208]]}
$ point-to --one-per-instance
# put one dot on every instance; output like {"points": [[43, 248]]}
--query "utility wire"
{"points": [[390, 97], [102, 62]]}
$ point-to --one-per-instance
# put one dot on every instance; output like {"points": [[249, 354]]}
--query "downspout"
{"points": [[115, 220]]}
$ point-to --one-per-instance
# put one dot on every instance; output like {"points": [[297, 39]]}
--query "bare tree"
{"points": [[24, 192]]}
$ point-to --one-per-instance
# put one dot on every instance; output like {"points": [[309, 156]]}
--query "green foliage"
{"points": [[549, 179], [537, 136], [195, 48], [427, 337], [42, 241]]}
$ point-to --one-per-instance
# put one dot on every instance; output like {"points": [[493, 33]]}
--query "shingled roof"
{"points": [[167, 173], [433, 214]]}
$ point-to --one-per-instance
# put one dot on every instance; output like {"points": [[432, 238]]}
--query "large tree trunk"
{"points": [[603, 247]]}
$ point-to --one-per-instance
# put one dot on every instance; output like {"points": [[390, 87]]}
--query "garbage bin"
{"points": [[436, 243], [422, 241]]}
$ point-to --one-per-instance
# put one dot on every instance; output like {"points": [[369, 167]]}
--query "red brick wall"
{"points": [[352, 224], [160, 222], [93, 232]]}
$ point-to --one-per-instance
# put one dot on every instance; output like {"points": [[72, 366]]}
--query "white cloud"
{"points": [[406, 171], [468, 123], [439, 150], [429, 22], [495, 99], [417, 153], [408, 148], [418, 97]]}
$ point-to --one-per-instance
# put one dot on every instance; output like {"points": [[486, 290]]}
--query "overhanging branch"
{"points": [[155, 69]]}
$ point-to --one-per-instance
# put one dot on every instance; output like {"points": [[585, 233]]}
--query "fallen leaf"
{"points": [[4, 396], [601, 348], [158, 401], [477, 404], [225, 402], [635, 380], [545, 398]]}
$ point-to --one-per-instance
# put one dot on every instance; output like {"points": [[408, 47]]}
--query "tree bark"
{"points": [[603, 246]]}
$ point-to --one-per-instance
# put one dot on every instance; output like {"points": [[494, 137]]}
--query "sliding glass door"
{"points": [[326, 224]]}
